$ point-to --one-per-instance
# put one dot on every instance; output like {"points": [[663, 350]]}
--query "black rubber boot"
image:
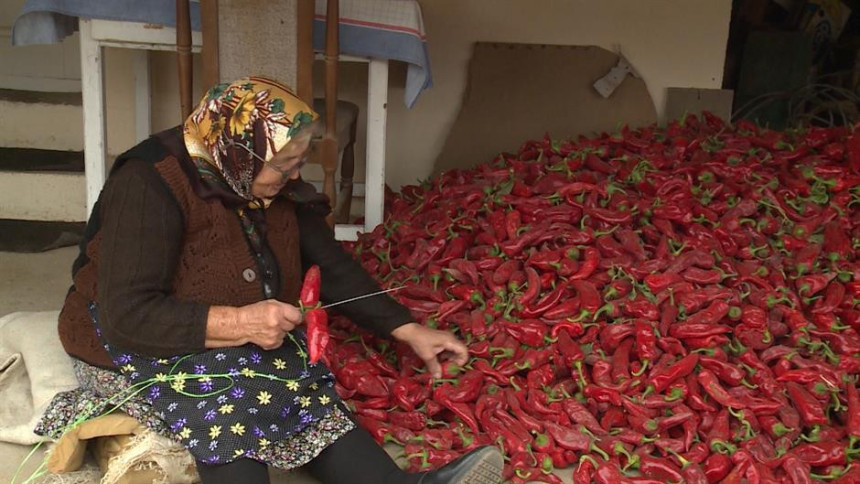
{"points": [[481, 466]]}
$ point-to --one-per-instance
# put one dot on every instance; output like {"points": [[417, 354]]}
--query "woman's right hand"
{"points": [[266, 323]]}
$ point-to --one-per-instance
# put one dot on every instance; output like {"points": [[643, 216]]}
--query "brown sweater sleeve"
{"points": [[344, 278], [142, 231]]}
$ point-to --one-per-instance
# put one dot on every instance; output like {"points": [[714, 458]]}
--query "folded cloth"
{"points": [[34, 367], [126, 451]]}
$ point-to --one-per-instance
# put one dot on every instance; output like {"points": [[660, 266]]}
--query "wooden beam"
{"points": [[332, 50], [183, 51], [209, 54], [305, 54]]}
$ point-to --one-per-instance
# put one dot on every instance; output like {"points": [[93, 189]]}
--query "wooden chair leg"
{"points": [[329, 164], [347, 171]]}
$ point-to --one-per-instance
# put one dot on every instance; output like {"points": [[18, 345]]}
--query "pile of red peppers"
{"points": [[660, 305]]}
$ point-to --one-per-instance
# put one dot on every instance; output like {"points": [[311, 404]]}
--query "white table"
{"points": [[96, 34]]}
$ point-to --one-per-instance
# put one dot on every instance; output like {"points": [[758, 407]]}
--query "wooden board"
{"points": [[685, 100], [517, 92]]}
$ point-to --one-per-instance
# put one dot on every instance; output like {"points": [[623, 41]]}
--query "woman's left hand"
{"points": [[429, 344]]}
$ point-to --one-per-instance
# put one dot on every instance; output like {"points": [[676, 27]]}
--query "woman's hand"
{"points": [[266, 323], [429, 344]]}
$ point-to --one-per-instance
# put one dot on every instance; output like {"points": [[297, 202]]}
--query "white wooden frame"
{"points": [[96, 34]]}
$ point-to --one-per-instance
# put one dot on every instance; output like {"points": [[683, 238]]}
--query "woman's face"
{"points": [[284, 166]]}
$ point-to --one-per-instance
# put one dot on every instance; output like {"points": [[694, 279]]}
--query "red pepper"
{"points": [[581, 415], [662, 377], [658, 282], [717, 467], [726, 372], [461, 410], [571, 328], [592, 259], [687, 331], [605, 395], [661, 469], [528, 421], [546, 302], [853, 424], [382, 432], [811, 410], [503, 273], [641, 308], [812, 284], [646, 341], [620, 364], [833, 297], [318, 336], [712, 386], [613, 334], [588, 296], [467, 270], [531, 332], [534, 358], [408, 393], [820, 454], [570, 351], [309, 295], [584, 472], [565, 309], [533, 286], [513, 222], [568, 438]]}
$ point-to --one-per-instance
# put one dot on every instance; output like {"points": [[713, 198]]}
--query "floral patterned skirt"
{"points": [[224, 404]]}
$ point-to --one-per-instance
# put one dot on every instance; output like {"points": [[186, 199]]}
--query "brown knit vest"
{"points": [[216, 267]]}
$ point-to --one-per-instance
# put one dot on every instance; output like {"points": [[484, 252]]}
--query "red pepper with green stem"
{"points": [[532, 332], [581, 415], [613, 334], [774, 427], [853, 423], [811, 410], [605, 395], [602, 374], [711, 384], [461, 410], [822, 454], [382, 432], [646, 342], [589, 264], [407, 393], [588, 295], [547, 302], [662, 376], [730, 374], [833, 297], [527, 420], [641, 308], [566, 309], [620, 362]]}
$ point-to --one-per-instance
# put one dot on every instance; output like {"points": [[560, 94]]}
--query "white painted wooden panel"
{"points": [[43, 196]]}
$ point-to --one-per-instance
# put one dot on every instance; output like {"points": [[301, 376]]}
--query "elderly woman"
{"points": [[182, 306]]}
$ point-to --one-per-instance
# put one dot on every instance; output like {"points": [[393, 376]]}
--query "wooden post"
{"points": [[305, 54], [209, 51], [183, 50], [329, 144]]}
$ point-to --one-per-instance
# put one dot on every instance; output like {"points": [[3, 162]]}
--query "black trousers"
{"points": [[355, 458]]}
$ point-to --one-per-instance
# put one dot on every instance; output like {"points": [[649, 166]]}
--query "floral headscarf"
{"points": [[259, 113]]}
